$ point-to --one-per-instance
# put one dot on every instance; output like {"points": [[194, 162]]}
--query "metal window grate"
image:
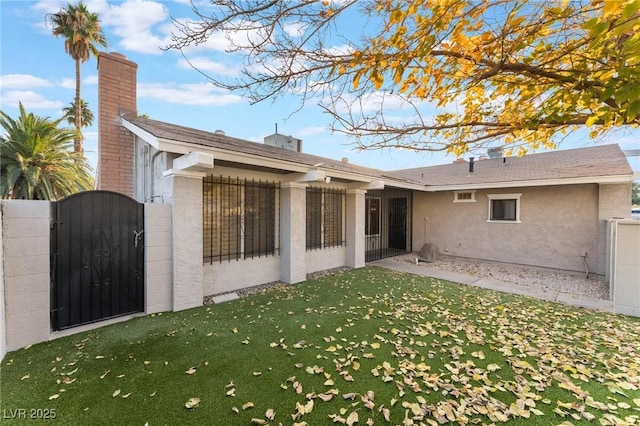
{"points": [[325, 217], [240, 218]]}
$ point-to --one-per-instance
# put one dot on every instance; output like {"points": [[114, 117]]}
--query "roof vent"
{"points": [[471, 164], [285, 142], [219, 132], [495, 152], [345, 160]]}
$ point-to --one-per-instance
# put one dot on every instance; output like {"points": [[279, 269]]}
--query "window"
{"points": [[504, 208], [325, 217], [372, 219], [239, 218], [464, 196]]}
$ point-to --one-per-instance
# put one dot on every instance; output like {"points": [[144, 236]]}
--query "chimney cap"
{"points": [[219, 132]]}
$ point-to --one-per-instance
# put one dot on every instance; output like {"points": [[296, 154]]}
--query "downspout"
{"points": [[152, 172]]}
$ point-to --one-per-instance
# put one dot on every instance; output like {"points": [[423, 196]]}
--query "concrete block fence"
{"points": [[25, 271]]}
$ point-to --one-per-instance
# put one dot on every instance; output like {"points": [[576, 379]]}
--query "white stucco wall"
{"points": [[292, 261], [293, 237], [614, 201], [329, 258], [558, 224], [225, 276], [186, 235]]}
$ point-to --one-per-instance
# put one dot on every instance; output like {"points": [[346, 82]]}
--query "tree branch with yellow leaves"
{"points": [[453, 75]]}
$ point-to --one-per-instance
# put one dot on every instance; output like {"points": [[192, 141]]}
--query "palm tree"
{"points": [[82, 33], [86, 116], [36, 160]]}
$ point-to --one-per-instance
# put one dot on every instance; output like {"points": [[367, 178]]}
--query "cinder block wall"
{"points": [[3, 337], [157, 252], [26, 272]]}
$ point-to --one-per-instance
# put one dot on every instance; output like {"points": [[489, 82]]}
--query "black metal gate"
{"points": [[97, 258], [387, 223]]}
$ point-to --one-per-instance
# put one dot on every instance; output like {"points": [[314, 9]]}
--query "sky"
{"points": [[35, 70]]}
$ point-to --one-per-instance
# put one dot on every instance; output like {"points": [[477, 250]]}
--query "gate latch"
{"points": [[137, 238]]}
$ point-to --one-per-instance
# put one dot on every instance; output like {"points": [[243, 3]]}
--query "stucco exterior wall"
{"points": [[329, 258], [186, 228], [614, 201], [26, 272], [225, 276], [558, 224], [292, 262]]}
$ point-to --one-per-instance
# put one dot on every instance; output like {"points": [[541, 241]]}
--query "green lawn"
{"points": [[368, 343]]}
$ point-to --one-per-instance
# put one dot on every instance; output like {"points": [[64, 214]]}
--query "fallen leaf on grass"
{"points": [[116, 393], [248, 405], [270, 414], [54, 396], [192, 403], [190, 371]]}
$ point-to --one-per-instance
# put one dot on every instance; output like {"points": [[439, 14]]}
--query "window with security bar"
{"points": [[325, 217], [240, 218]]}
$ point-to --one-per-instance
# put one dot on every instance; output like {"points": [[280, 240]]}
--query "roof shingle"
{"points": [[598, 161]]}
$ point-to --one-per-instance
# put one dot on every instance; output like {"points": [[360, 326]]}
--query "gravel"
{"points": [[544, 279]]}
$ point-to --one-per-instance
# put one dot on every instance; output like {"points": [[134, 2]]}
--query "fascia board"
{"points": [[527, 183], [142, 134]]}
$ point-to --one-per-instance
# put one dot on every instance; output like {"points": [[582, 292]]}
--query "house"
{"points": [[247, 213]]}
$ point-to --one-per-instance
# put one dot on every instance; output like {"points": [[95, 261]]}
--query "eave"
{"points": [[179, 147], [529, 183]]}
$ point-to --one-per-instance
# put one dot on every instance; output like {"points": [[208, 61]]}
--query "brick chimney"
{"points": [[116, 97]]}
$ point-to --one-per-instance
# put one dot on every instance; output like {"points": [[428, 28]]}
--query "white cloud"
{"points": [[206, 65], [22, 81], [48, 6], [30, 100], [188, 94], [67, 83], [136, 22], [311, 131], [294, 29], [92, 79]]}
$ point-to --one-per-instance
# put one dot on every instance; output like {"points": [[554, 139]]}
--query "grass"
{"points": [[367, 341]]}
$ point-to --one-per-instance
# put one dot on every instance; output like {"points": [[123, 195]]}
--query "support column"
{"points": [[293, 232], [187, 237], [355, 227]]}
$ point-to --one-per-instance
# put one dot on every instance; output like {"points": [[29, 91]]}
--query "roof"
{"points": [[598, 164], [173, 138]]}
